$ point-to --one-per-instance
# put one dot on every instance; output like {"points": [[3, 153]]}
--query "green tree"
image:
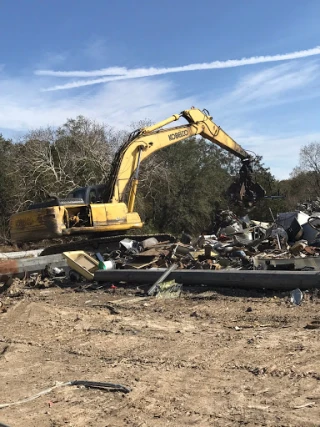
{"points": [[178, 192], [304, 181], [9, 183], [264, 177]]}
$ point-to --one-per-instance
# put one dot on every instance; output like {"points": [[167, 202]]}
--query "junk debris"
{"points": [[314, 324], [156, 285], [236, 244], [15, 287], [82, 263], [290, 242], [169, 289], [79, 383], [296, 296]]}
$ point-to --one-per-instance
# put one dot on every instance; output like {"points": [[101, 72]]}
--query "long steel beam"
{"points": [[251, 279], [21, 267]]}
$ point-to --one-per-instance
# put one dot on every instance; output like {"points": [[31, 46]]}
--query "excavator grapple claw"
{"points": [[244, 191]]}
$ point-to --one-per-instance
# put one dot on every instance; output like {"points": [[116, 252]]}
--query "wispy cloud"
{"points": [[96, 49], [121, 73], [23, 106], [112, 71], [280, 151], [275, 81], [272, 86]]}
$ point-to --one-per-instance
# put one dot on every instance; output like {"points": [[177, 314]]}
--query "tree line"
{"points": [[180, 188]]}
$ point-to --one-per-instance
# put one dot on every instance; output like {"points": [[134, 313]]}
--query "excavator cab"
{"points": [[90, 194]]}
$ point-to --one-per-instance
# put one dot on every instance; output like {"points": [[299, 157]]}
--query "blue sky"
{"points": [[133, 47]]}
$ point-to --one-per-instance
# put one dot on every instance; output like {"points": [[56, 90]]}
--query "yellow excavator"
{"points": [[102, 208]]}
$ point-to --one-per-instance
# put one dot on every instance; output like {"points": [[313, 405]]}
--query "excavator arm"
{"points": [[143, 142]]}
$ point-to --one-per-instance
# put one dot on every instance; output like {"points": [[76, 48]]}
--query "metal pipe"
{"points": [[161, 278], [250, 279]]}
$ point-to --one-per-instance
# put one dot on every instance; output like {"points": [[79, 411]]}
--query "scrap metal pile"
{"points": [[239, 252], [291, 242]]}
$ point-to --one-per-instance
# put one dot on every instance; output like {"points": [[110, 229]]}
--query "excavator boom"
{"points": [[143, 142]]}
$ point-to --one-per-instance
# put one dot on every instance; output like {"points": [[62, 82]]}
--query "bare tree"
{"points": [[309, 169], [55, 161]]}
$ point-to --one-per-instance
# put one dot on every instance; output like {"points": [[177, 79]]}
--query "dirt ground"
{"points": [[205, 359]]}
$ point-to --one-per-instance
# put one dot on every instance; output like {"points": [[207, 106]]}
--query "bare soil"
{"points": [[205, 359]]}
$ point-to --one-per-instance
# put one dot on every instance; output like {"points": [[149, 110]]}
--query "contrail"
{"points": [[119, 73], [111, 71]]}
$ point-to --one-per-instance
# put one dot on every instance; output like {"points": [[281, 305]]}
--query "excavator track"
{"points": [[103, 244]]}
